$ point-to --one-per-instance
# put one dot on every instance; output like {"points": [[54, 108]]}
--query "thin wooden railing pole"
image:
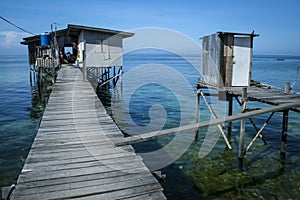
{"points": [[215, 117]]}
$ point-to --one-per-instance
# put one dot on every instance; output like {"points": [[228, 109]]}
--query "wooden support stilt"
{"points": [[215, 117], [115, 81], [253, 124], [30, 71], [243, 124], [285, 118], [259, 133], [197, 111], [242, 139], [229, 128], [121, 82], [108, 70], [34, 74], [40, 82]]}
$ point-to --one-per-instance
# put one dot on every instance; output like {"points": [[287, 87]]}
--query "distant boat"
{"points": [[280, 59]]}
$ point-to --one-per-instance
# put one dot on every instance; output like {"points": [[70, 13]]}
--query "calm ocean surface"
{"points": [[216, 176]]}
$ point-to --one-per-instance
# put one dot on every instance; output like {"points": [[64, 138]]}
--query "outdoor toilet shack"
{"points": [[227, 59]]}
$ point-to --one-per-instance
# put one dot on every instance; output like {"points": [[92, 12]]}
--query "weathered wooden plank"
{"points": [[93, 190], [33, 176], [127, 193], [283, 96], [81, 178], [78, 159], [69, 112], [51, 140], [149, 196], [109, 162], [62, 147], [65, 154], [125, 178]]}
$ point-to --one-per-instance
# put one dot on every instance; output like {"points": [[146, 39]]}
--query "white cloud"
{"points": [[9, 39]]}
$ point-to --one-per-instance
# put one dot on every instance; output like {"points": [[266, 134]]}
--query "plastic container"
{"points": [[45, 39]]}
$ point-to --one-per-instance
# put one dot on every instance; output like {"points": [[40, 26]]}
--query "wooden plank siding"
{"points": [[73, 154]]}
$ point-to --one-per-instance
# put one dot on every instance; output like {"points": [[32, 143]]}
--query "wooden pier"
{"points": [[73, 154], [281, 100]]}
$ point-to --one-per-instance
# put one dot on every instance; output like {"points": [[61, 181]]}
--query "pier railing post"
{"points": [[243, 124], [84, 72], [287, 88]]}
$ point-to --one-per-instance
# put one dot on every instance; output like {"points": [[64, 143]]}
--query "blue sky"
{"points": [[276, 21]]}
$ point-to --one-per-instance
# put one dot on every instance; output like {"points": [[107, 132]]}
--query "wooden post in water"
{"points": [[285, 119], [243, 124], [121, 82], [30, 71], [197, 111], [115, 80], [229, 128]]}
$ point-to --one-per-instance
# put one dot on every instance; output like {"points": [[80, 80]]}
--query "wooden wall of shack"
{"points": [[227, 59]]}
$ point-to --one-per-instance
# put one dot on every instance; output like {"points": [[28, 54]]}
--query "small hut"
{"points": [[227, 59], [95, 49], [97, 44]]}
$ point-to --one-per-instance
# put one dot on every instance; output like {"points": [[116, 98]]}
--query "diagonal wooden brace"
{"points": [[215, 117], [258, 133]]}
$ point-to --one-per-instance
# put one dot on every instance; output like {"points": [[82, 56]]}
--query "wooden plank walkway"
{"points": [[261, 93], [268, 96], [73, 155]]}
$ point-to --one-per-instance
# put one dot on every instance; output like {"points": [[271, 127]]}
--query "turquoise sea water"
{"points": [[21, 108], [216, 176]]}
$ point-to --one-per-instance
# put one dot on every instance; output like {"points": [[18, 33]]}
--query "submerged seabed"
{"points": [[264, 175]]}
